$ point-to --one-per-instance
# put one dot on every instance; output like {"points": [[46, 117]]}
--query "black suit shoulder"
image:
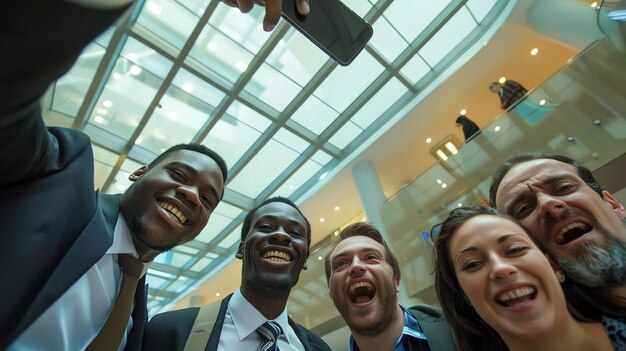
{"points": [[169, 330], [315, 343], [435, 327]]}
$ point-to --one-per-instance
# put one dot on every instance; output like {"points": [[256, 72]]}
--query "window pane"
{"points": [[304, 173], [315, 115], [169, 20], [448, 37], [344, 84], [273, 153], [379, 103], [345, 135]]}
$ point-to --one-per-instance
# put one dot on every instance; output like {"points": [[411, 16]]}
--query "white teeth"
{"points": [[277, 256], [514, 294], [356, 285], [559, 234], [173, 210]]}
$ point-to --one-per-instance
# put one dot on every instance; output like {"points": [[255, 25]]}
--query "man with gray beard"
{"points": [[568, 212], [363, 276]]}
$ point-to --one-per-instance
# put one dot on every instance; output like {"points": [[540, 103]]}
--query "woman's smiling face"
{"points": [[507, 279]]}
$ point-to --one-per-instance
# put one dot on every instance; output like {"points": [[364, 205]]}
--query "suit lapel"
{"points": [[214, 339], [88, 248], [304, 339]]}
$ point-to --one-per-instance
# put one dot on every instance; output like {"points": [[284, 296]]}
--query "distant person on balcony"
{"points": [[275, 242], [470, 129], [580, 224], [510, 92], [363, 276]]}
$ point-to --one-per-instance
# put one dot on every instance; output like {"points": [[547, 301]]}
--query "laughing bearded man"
{"points": [[363, 276], [568, 212]]}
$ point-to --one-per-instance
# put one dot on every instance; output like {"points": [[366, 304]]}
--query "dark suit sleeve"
{"points": [[169, 331], [40, 40], [310, 341]]}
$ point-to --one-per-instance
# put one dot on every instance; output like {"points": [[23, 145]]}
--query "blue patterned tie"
{"points": [[269, 333]]}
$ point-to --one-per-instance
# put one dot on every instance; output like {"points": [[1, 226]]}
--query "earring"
{"points": [[560, 276], [239, 255]]}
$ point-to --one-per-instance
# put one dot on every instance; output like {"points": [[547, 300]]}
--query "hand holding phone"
{"points": [[273, 9], [332, 26]]}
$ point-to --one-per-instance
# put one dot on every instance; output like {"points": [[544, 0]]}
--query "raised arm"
{"points": [[40, 40]]}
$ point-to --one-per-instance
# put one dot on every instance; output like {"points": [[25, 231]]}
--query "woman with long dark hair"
{"points": [[470, 129], [499, 291]]}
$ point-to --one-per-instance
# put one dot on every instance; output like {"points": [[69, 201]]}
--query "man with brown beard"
{"points": [[363, 276], [568, 212]]}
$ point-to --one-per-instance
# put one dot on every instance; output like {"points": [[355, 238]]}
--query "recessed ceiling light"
{"points": [[463, 111], [107, 103], [211, 46], [497, 128], [188, 87], [594, 4], [135, 70], [241, 66], [534, 51], [542, 102], [442, 155], [337, 208], [217, 294], [322, 220], [502, 80], [154, 8], [336, 232], [444, 185], [439, 181], [460, 204], [428, 140], [320, 258], [103, 111], [98, 119]]}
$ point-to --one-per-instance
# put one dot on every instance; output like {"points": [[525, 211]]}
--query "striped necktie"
{"points": [[269, 333]]}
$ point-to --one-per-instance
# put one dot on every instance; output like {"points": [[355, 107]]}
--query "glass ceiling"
{"points": [[274, 106]]}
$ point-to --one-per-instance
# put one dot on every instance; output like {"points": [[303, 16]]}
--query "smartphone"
{"points": [[332, 26]]}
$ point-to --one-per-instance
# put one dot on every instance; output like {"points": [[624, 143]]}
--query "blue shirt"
{"points": [[411, 339]]}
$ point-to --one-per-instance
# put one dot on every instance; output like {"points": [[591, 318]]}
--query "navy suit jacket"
{"points": [[54, 226], [169, 331]]}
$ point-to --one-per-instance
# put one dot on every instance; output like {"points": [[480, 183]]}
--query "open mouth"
{"points": [[361, 292], [176, 213], [277, 256], [519, 296], [572, 232]]}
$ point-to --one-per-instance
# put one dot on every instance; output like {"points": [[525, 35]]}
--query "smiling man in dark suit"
{"points": [[62, 244], [275, 241]]}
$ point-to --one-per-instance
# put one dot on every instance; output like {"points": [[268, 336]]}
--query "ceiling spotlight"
{"points": [[534, 51], [497, 128], [444, 185], [217, 294], [502, 80], [542, 102], [439, 181], [594, 4], [460, 204], [337, 208], [336, 232], [107, 103], [98, 119], [320, 258], [428, 140], [463, 111], [322, 220]]}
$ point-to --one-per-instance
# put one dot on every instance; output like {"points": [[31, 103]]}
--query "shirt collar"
{"points": [[247, 318], [411, 329], [123, 242]]}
